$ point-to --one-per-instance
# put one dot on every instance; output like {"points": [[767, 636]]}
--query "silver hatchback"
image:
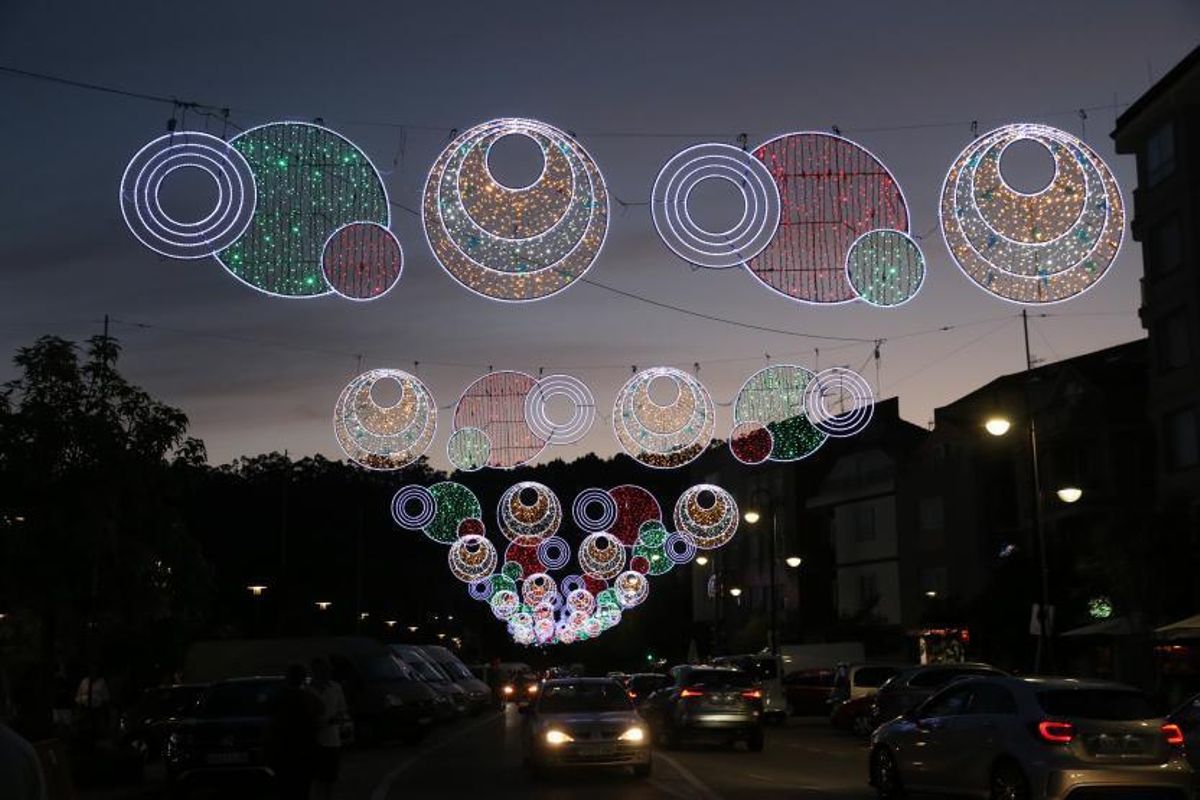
{"points": [[1017, 738]]}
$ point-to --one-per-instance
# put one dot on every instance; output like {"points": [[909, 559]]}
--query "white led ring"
{"points": [[591, 498], [554, 552], [839, 381], [679, 548], [141, 204], [409, 494], [671, 198], [582, 417]]}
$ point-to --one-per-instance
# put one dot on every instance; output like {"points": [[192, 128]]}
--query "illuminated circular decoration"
{"points": [[362, 260], [141, 202], [524, 558], [679, 548], [515, 244], [310, 182], [707, 516], [384, 437], [504, 604], [554, 552], [751, 442], [839, 402], [631, 588], [664, 436], [671, 197], [582, 600], [471, 527], [583, 412], [1044, 247], [886, 268], [406, 497], [495, 404], [469, 449], [528, 513], [1100, 607], [832, 191], [454, 503], [572, 583], [594, 510], [472, 558], [481, 589], [635, 507], [774, 397], [537, 587], [601, 555], [650, 546]]}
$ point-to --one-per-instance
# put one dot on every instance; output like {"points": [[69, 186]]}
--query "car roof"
{"points": [[648, 675], [568, 681], [716, 667], [248, 679]]}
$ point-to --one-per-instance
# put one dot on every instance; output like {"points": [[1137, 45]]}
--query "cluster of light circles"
{"points": [[299, 211], [1032, 248], [503, 420], [614, 561], [785, 412], [664, 435], [823, 220], [515, 243], [384, 437]]}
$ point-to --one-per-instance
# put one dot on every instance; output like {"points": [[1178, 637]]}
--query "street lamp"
{"points": [[735, 592], [751, 516], [412, 628], [391, 623], [702, 560], [1069, 494], [256, 589], [323, 605], [997, 426], [794, 561]]}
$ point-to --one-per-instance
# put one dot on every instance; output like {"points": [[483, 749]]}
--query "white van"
{"points": [[767, 670]]}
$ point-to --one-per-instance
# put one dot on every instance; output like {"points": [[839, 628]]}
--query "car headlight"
{"points": [[634, 734], [508, 690], [557, 737], [531, 688]]}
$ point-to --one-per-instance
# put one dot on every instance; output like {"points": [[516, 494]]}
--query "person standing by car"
{"points": [[291, 736], [329, 731]]}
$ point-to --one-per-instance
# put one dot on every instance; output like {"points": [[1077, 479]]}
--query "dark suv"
{"points": [[710, 702]]}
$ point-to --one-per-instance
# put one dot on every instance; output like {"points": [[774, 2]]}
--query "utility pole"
{"points": [[1043, 654]]}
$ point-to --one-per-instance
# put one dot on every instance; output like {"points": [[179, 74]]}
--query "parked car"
{"points": [[908, 689], [767, 671], [431, 674], [853, 716], [585, 722], [808, 691], [379, 694], [1017, 738], [478, 694], [145, 725], [644, 684], [224, 739], [707, 701], [853, 681], [1187, 717]]}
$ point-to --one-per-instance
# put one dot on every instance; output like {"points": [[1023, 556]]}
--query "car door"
{"points": [[932, 754], [977, 736]]}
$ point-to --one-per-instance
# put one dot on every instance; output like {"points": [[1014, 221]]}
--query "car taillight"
{"points": [[752, 694], [1173, 733], [691, 693], [1056, 732], [632, 695]]}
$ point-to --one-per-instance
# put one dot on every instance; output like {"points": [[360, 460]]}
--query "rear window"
{"points": [[761, 668], [565, 698], [871, 677], [647, 683], [719, 678], [940, 677], [242, 699], [1106, 704]]}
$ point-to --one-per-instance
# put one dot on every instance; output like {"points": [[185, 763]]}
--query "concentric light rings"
{"points": [[384, 437], [583, 405], [589, 499], [842, 384], [410, 494]]}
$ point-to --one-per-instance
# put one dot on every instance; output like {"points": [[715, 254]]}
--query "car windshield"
{"points": [[561, 698], [423, 668], [455, 669], [240, 699], [1105, 704], [169, 701], [384, 667], [871, 677], [719, 678]]}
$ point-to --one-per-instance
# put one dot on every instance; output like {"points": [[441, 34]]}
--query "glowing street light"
{"points": [[323, 605], [412, 628], [257, 589], [391, 623], [1069, 494], [751, 516], [793, 561], [363, 616], [735, 592], [931, 594], [997, 426], [702, 560]]}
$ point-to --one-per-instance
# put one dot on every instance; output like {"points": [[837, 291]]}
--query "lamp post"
{"points": [[752, 517], [256, 591]]}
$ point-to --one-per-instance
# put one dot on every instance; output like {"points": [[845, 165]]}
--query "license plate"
{"points": [[1117, 745], [227, 758], [595, 750]]}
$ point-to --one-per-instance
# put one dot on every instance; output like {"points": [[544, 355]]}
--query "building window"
{"points": [[933, 513], [1171, 343], [868, 590], [1183, 438], [864, 522], [1166, 247], [1160, 154]]}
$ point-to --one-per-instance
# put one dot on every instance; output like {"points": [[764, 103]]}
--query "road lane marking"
{"points": [[385, 786], [702, 790]]}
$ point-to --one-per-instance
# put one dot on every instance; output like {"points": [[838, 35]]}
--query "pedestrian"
{"points": [[334, 714], [92, 703], [291, 736], [21, 775]]}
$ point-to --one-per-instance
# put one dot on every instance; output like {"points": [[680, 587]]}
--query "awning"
{"points": [[1183, 629], [1116, 626]]}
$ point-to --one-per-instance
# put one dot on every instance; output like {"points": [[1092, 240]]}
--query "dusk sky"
{"points": [[636, 81]]}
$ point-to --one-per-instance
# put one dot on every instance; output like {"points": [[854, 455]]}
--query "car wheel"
{"points": [[861, 726], [755, 740], [642, 770], [1008, 783], [885, 774]]}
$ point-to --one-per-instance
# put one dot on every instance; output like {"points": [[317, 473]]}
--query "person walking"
{"points": [[291, 737], [334, 714], [21, 776]]}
